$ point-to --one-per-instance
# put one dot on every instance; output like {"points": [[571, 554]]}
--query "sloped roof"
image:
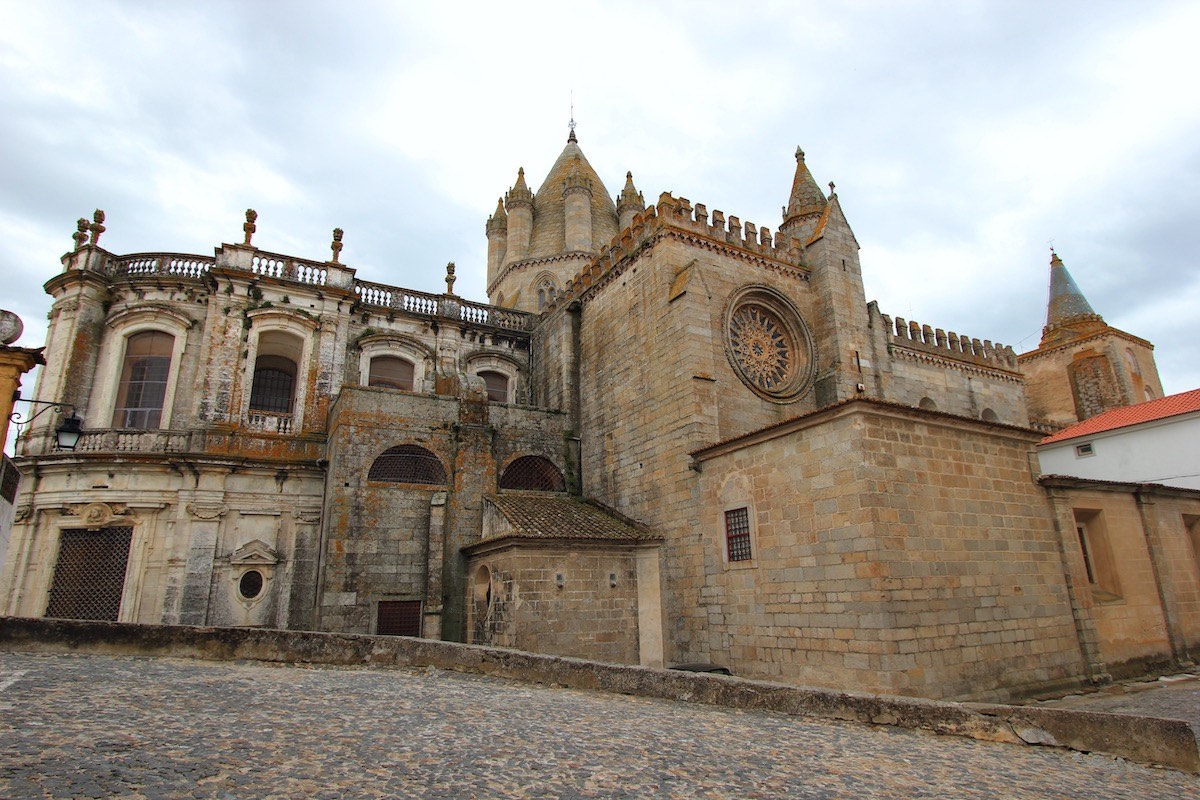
{"points": [[1169, 406], [540, 516]]}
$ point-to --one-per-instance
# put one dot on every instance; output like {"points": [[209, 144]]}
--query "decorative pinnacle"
{"points": [[799, 153], [450, 278], [571, 124], [97, 226], [249, 227], [832, 188], [80, 235], [336, 244]]}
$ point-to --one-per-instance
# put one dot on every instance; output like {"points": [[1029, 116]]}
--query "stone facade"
{"points": [[672, 436]]}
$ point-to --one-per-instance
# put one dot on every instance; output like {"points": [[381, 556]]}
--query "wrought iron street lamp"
{"points": [[68, 431]]}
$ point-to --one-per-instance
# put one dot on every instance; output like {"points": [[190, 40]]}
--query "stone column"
{"points": [[432, 628]]}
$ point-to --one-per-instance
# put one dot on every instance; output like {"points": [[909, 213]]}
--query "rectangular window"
{"points": [[1098, 560], [1084, 450], [737, 534], [143, 388]]}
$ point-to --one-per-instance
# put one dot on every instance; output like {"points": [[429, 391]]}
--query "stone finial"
{"points": [[249, 227], [799, 153], [97, 226], [336, 244], [81, 233], [832, 188], [450, 278]]}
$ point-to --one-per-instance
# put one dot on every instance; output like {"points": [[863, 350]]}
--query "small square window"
{"points": [[737, 534], [1084, 450]]}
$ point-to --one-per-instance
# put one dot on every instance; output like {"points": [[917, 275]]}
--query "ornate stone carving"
{"points": [[308, 515], [80, 235], [248, 226], [96, 515], [336, 244], [768, 344], [97, 226], [207, 511]]}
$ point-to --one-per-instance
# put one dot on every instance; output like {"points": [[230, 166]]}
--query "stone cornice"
{"points": [[950, 363], [1120, 334]]}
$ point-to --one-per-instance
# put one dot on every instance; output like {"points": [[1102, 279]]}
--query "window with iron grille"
{"points": [[274, 385], [89, 575], [408, 463], [399, 618], [737, 534], [143, 387], [533, 472], [391, 373]]}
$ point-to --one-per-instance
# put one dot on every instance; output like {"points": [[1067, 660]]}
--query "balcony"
{"points": [[262, 442]]}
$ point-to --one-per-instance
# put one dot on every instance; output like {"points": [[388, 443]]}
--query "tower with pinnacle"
{"points": [[1083, 366]]}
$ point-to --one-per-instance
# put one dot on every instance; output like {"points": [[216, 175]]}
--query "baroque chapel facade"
{"points": [[671, 436]]}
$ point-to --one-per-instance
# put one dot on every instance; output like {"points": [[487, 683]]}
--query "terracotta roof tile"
{"points": [[1163, 407], [541, 516]]}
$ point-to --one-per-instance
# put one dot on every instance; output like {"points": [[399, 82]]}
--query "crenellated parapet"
{"points": [[935, 341], [677, 216]]}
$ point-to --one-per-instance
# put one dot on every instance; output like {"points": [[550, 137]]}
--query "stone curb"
{"points": [[1160, 741]]}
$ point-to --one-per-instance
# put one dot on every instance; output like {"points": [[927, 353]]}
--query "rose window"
{"points": [[761, 346], [768, 344]]}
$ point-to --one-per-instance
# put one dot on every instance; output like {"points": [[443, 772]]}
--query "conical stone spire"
{"points": [[629, 202], [520, 192], [806, 197], [1068, 314], [1066, 301], [499, 220]]}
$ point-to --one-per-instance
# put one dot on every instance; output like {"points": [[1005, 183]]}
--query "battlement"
{"points": [[935, 341], [678, 213], [681, 213]]}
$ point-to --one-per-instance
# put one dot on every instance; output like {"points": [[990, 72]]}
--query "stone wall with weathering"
{"points": [[893, 551], [396, 540], [578, 600]]}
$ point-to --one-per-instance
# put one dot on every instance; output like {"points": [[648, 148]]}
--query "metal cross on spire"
{"points": [[571, 124]]}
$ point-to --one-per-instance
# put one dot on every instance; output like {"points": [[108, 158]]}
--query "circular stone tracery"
{"points": [[768, 344], [761, 347]]}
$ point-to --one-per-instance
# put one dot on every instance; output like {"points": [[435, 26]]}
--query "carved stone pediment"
{"points": [[255, 553], [97, 515], [207, 510]]}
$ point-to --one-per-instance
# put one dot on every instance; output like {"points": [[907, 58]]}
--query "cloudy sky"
{"points": [[963, 137]]}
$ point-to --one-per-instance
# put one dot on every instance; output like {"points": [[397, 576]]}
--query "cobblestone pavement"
{"points": [[97, 726]]}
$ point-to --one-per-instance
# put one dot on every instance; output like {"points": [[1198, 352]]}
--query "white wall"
{"points": [[1163, 451]]}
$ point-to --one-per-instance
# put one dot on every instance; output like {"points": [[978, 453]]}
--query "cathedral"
{"points": [[671, 436]]}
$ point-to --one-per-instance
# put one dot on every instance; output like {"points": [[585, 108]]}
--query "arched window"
{"points": [[928, 404], [989, 415], [408, 463], [546, 292], [533, 472], [497, 385], [274, 383], [143, 387], [391, 372]]}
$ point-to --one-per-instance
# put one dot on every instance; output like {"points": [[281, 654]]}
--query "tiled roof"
{"points": [[1170, 406], [541, 516]]}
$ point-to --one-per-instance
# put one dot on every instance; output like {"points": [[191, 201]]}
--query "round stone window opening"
{"points": [[251, 584], [768, 345]]}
